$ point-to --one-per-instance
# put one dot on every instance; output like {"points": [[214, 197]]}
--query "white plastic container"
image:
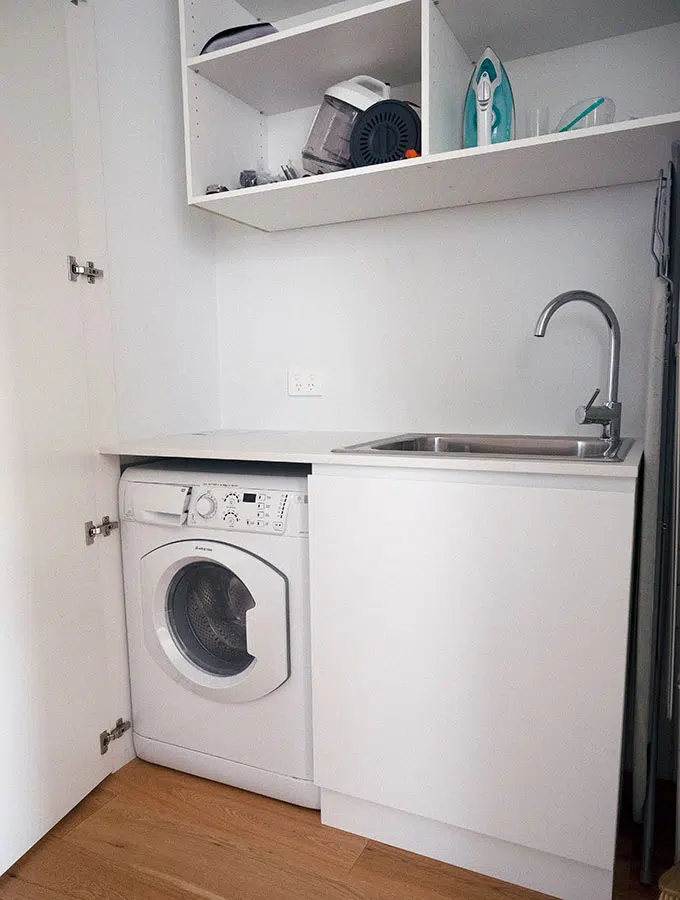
{"points": [[327, 147]]}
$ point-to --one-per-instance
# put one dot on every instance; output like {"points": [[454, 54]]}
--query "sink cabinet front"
{"points": [[469, 637]]}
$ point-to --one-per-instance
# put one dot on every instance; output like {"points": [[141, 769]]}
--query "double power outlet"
{"points": [[304, 384]]}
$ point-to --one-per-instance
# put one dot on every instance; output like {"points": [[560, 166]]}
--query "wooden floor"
{"points": [[148, 833]]}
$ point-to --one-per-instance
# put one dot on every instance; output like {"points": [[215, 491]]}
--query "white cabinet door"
{"points": [[469, 649], [54, 691]]}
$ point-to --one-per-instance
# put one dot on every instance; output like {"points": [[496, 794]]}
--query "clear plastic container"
{"points": [[327, 148], [587, 113]]}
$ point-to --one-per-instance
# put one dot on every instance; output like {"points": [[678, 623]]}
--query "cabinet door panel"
{"points": [[469, 645], [60, 600]]}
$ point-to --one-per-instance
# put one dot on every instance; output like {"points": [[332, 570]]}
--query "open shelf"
{"points": [[291, 70], [250, 107], [525, 28], [622, 153]]}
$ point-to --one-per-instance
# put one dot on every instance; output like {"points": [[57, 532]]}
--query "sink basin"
{"points": [[497, 445]]}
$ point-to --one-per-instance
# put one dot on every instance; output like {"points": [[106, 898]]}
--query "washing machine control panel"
{"points": [[234, 508]]}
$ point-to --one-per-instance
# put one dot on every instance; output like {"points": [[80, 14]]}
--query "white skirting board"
{"points": [[563, 878], [248, 778]]}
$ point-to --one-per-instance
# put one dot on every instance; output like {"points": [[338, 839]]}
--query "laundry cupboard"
{"points": [[64, 653]]}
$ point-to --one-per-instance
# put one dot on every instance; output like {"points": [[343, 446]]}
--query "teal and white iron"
{"points": [[489, 116]]}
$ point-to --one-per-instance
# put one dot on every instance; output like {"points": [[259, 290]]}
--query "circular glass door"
{"points": [[215, 618], [206, 607]]}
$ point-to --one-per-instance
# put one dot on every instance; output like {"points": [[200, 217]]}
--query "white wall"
{"points": [[413, 321], [640, 72], [162, 269], [426, 321]]}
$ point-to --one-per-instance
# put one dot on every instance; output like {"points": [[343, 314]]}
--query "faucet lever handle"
{"points": [[592, 399], [583, 416]]}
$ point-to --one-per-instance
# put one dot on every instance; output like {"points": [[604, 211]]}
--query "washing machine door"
{"points": [[216, 619]]}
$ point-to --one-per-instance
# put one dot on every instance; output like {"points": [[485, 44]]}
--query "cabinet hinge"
{"points": [[117, 731], [75, 270], [104, 530]]}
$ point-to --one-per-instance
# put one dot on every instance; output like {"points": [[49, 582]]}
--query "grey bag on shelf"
{"points": [[238, 35]]}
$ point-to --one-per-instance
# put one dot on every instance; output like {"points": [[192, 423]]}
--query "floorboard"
{"points": [[148, 833], [17, 889], [386, 873], [246, 822]]}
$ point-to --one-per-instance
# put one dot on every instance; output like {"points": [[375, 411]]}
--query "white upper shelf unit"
{"points": [[250, 107], [291, 70], [623, 153]]}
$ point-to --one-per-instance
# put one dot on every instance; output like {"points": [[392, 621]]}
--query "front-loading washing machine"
{"points": [[217, 598]]}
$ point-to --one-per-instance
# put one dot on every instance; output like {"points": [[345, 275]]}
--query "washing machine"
{"points": [[217, 598]]}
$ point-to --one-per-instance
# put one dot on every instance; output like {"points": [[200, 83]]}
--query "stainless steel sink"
{"points": [[497, 445]]}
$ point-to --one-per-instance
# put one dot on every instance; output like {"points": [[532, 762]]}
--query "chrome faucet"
{"points": [[608, 415]]}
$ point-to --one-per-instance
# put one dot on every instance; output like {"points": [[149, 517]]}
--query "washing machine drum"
{"points": [[207, 606], [215, 618]]}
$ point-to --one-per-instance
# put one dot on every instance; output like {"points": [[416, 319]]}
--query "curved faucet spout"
{"points": [[612, 322]]}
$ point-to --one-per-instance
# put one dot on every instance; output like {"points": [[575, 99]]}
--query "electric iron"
{"points": [[489, 104]]}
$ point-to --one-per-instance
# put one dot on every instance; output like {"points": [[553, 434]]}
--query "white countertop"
{"points": [[315, 448]]}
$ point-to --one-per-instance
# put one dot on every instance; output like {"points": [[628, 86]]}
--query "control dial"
{"points": [[206, 506], [231, 520]]}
